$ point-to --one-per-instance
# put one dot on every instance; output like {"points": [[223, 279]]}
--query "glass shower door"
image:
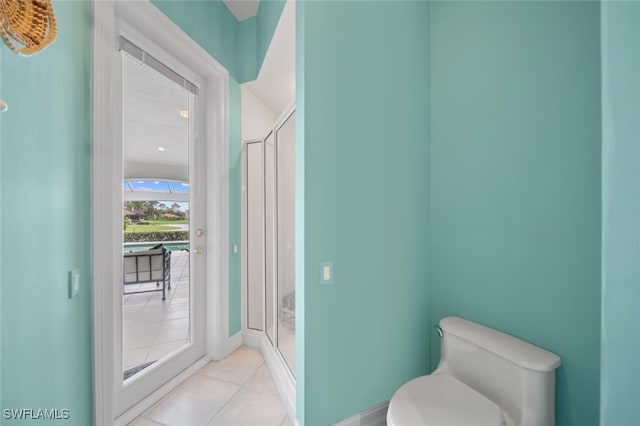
{"points": [[285, 240], [269, 215], [255, 232]]}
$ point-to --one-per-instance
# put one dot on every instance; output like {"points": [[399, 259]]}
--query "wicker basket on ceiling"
{"points": [[31, 23]]}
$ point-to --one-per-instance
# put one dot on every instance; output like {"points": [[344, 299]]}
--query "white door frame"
{"points": [[106, 194]]}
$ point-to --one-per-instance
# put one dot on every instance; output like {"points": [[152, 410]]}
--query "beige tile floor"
{"points": [[153, 328], [237, 391]]}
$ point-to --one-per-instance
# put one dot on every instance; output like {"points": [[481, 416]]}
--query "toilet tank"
{"points": [[516, 375]]}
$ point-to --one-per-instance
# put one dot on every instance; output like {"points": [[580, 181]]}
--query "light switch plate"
{"points": [[326, 273], [74, 283], [235, 250]]}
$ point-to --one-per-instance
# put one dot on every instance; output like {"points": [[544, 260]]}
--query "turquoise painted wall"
{"points": [[299, 213], [1, 321], [621, 213], [366, 154], [210, 24], [44, 194], [515, 180], [255, 36], [235, 191], [240, 46]]}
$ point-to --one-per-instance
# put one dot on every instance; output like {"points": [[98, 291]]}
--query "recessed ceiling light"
{"points": [[184, 113], [161, 148]]}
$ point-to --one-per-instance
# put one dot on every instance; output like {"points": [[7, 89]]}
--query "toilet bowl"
{"points": [[484, 378]]}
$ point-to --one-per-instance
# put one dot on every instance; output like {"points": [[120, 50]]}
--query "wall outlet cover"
{"points": [[326, 273]]}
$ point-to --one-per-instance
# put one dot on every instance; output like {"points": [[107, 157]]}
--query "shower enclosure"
{"points": [[270, 239]]}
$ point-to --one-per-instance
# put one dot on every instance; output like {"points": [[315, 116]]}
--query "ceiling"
{"points": [[152, 109], [242, 9]]}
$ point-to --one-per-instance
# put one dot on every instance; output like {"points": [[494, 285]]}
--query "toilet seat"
{"points": [[441, 400]]}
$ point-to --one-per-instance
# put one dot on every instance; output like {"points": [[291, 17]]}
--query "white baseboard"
{"points": [[252, 338], [374, 416], [135, 411], [229, 345], [282, 378]]}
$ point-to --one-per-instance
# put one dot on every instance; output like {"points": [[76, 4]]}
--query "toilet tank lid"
{"points": [[511, 348]]}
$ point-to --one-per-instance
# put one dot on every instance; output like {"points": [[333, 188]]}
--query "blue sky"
{"points": [[159, 186]]}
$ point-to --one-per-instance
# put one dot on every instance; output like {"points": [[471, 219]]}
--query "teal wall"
{"points": [[235, 191], [255, 35], [1, 174], [44, 194], [366, 154], [515, 180], [621, 213], [210, 24], [239, 45], [299, 213]]}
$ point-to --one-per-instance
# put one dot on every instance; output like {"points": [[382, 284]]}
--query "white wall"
{"points": [[257, 118]]}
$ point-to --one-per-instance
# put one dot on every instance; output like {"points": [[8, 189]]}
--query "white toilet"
{"points": [[484, 378]]}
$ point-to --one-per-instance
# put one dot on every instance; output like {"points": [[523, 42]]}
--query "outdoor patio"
{"points": [[152, 328]]}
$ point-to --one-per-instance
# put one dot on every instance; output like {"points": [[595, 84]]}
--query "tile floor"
{"points": [[237, 391], [153, 328]]}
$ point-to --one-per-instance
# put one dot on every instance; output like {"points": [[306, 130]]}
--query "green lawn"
{"points": [[153, 226], [166, 222]]}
